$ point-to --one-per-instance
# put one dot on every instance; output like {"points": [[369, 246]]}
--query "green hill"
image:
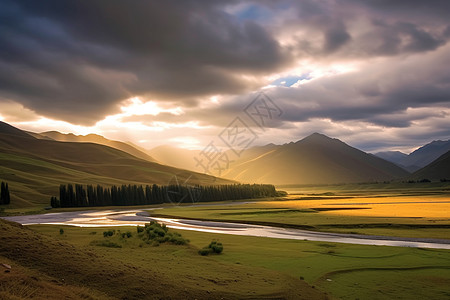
{"points": [[317, 159], [69, 266], [97, 139], [34, 168]]}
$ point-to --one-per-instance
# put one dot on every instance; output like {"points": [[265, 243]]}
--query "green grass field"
{"points": [[341, 270], [249, 267]]}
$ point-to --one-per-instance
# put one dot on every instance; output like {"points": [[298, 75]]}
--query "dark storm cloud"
{"points": [[74, 60], [357, 29], [335, 37], [415, 9], [389, 94], [380, 94]]}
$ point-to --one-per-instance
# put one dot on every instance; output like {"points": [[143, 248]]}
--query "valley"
{"points": [[354, 223], [224, 150]]}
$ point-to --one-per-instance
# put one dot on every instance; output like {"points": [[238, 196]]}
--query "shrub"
{"points": [[108, 244], [126, 234], [216, 247], [213, 248], [154, 232], [204, 251], [109, 233], [140, 229], [61, 231]]}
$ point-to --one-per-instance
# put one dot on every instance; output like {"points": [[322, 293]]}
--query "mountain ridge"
{"points": [[315, 159], [34, 168], [439, 169], [418, 158], [98, 139]]}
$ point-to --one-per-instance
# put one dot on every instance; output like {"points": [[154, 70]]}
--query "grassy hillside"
{"points": [[97, 139], [58, 266], [35, 168], [315, 159]]}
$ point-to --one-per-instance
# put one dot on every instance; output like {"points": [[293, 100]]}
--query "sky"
{"points": [[373, 73]]}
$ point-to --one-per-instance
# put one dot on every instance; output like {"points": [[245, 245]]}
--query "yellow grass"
{"points": [[404, 207]]}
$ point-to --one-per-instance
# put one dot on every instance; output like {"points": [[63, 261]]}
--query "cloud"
{"points": [[78, 62]]}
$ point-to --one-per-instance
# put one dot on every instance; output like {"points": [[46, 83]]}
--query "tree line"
{"points": [[4, 193], [78, 195]]}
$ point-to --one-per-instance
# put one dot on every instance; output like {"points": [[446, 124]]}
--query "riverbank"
{"points": [[127, 217]]}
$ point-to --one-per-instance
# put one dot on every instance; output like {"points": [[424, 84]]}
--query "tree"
{"points": [[4, 194], [54, 202]]}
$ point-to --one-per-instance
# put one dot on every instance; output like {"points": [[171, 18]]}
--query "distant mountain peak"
{"points": [[317, 137]]}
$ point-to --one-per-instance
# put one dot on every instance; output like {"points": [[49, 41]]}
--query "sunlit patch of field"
{"points": [[401, 212], [397, 207]]}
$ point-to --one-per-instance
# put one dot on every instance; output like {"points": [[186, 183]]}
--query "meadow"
{"points": [[257, 267], [376, 209], [264, 267]]}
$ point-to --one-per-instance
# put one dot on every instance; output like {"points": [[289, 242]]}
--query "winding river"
{"points": [[103, 218]]}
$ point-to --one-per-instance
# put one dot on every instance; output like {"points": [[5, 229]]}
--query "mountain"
{"points": [[316, 159], [34, 168], [418, 158], [427, 154], [393, 156], [437, 170], [94, 138], [7, 129]]}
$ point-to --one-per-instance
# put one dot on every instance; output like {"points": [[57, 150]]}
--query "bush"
{"points": [[109, 233], [154, 232], [126, 234], [61, 231], [216, 247], [213, 248], [140, 229], [108, 244], [204, 251]]}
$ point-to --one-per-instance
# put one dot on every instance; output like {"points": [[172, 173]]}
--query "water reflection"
{"points": [[140, 217]]}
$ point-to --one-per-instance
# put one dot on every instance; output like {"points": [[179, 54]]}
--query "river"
{"points": [[127, 217]]}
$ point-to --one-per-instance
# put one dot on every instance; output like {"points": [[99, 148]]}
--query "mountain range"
{"points": [[312, 160], [439, 169], [34, 168], [419, 158], [93, 138], [317, 159], [35, 164]]}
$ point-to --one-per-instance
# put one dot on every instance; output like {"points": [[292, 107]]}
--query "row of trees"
{"points": [[4, 194], [78, 195]]}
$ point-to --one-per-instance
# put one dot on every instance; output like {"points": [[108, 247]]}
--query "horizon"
{"points": [[256, 145], [370, 74]]}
